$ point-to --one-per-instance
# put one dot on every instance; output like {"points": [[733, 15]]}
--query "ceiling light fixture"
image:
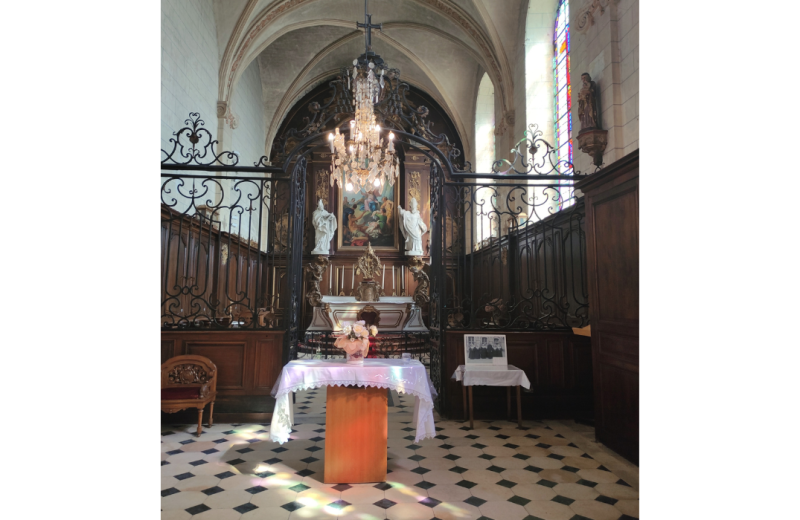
{"points": [[365, 158]]}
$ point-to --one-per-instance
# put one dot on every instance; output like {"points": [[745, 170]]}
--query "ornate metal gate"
{"points": [[231, 238]]}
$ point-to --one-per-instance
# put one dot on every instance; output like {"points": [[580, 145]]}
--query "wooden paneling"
{"points": [[227, 355], [612, 241], [268, 361], [617, 425], [558, 365], [356, 435], [617, 274], [167, 350], [541, 266], [249, 363], [192, 254]]}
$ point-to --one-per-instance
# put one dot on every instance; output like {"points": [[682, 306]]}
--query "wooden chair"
{"points": [[189, 382]]}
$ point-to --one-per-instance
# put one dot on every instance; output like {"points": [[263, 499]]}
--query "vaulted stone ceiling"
{"points": [[441, 46]]}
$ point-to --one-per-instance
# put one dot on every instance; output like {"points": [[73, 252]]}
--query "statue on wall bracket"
{"points": [[325, 228], [592, 139], [413, 228]]}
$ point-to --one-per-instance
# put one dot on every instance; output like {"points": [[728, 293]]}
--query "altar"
{"points": [[356, 417], [390, 314]]}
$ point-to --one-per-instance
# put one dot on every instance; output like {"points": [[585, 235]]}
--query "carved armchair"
{"points": [[189, 382]]}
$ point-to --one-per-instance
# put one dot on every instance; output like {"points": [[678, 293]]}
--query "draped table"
{"points": [[476, 377], [356, 415]]}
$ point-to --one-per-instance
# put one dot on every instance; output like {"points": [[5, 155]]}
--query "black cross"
{"points": [[368, 26]]}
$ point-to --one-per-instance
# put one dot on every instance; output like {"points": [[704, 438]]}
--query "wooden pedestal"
{"points": [[355, 435]]}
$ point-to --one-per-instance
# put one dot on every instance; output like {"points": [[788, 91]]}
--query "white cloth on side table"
{"points": [[408, 378], [474, 377]]}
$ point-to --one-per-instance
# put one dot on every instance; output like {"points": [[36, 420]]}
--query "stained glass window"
{"points": [[561, 84]]}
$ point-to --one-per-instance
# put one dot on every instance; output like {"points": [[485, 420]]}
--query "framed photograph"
{"points": [[485, 352], [369, 215]]}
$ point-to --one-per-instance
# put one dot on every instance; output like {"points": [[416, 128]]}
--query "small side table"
{"points": [[508, 378]]}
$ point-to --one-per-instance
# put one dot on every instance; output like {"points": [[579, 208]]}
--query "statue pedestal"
{"points": [[395, 314], [593, 142]]}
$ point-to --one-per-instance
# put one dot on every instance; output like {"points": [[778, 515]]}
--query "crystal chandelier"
{"points": [[364, 159]]}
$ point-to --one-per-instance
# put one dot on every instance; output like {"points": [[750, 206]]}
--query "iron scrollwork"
{"points": [[393, 110], [201, 148]]}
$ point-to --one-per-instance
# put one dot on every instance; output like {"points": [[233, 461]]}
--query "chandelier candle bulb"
{"points": [[364, 160]]}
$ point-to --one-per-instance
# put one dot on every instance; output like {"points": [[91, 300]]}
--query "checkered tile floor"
{"points": [[551, 470]]}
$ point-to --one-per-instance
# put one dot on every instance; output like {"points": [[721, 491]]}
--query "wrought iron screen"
{"points": [[228, 241], [512, 244]]}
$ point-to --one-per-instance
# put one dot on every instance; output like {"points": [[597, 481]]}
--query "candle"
{"points": [[383, 278], [392, 278], [353, 281], [330, 281], [403, 278]]}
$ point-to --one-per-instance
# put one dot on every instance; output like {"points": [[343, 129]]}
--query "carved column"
{"points": [[422, 293], [315, 271]]}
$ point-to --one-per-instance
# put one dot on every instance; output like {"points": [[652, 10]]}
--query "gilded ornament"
{"points": [[417, 269], [414, 186]]}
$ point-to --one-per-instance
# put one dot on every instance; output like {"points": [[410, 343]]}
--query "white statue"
{"points": [[325, 226], [413, 228]]}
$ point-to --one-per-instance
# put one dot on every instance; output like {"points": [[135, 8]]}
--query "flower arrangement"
{"points": [[354, 340]]}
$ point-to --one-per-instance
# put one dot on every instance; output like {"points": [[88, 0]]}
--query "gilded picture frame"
{"points": [[360, 219]]}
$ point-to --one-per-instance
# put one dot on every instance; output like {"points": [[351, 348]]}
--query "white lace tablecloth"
{"points": [[511, 377], [408, 378]]}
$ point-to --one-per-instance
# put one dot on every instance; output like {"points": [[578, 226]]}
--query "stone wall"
{"points": [[247, 106], [608, 49], [190, 60], [537, 64], [189, 65]]}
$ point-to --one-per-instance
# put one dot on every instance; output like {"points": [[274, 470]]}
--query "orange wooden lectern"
{"points": [[355, 435]]}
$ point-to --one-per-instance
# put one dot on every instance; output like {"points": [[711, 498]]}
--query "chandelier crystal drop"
{"points": [[364, 159]]}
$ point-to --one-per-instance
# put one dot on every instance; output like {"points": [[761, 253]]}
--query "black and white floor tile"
{"points": [[551, 470]]}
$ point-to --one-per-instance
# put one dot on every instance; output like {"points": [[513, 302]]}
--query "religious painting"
{"points": [[485, 352], [369, 215]]}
